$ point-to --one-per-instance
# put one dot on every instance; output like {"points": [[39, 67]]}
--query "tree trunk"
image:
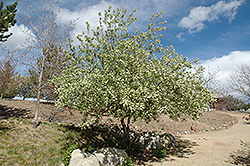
{"points": [[126, 129], [2, 91], [39, 91]]}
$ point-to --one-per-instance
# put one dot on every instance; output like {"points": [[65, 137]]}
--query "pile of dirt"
{"points": [[212, 120]]}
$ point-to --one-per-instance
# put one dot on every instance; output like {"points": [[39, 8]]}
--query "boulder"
{"points": [[148, 140], [110, 156], [78, 158], [151, 140]]}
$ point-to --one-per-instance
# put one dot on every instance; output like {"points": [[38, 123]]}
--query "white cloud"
{"points": [[145, 10], [17, 38], [195, 21], [180, 36], [89, 14], [227, 64]]}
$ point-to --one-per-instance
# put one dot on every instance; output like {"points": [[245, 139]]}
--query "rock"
{"points": [[148, 140], [193, 128], [151, 140], [78, 158], [110, 156]]}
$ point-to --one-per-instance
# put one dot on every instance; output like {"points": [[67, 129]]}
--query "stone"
{"points": [[78, 158], [148, 140], [110, 156], [151, 140], [193, 128]]}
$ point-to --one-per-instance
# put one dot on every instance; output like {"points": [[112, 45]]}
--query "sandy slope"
{"points": [[212, 148]]}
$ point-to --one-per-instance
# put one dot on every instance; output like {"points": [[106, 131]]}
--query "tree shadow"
{"points": [[89, 138], [95, 137], [4, 128], [247, 122], [182, 149], [8, 112]]}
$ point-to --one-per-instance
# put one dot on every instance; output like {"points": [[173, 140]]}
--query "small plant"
{"points": [[161, 152], [89, 149], [67, 154], [127, 162], [241, 157], [163, 128], [134, 148]]}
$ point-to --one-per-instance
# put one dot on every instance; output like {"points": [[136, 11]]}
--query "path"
{"points": [[213, 148]]}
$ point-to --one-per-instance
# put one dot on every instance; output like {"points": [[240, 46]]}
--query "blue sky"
{"points": [[216, 32]]}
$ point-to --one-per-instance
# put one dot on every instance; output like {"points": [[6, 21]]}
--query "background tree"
{"points": [[209, 77], [45, 34], [232, 103], [7, 73], [239, 81], [53, 65], [127, 73], [7, 20], [26, 87]]}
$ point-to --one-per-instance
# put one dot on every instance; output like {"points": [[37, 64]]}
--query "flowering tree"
{"points": [[128, 74]]}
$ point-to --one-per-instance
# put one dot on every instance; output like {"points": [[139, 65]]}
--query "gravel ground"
{"points": [[212, 120]]}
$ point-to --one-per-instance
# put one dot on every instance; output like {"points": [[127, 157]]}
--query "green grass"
{"points": [[20, 144]]}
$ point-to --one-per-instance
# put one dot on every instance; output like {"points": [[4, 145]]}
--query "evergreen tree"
{"points": [[7, 20], [26, 87], [7, 74]]}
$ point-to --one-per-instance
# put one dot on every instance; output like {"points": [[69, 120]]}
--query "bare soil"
{"points": [[209, 121], [211, 148]]}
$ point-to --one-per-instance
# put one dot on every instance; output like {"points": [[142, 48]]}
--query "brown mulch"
{"points": [[212, 120]]}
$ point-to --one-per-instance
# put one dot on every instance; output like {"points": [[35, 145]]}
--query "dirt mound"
{"points": [[212, 120]]}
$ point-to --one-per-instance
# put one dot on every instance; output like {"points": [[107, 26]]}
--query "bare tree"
{"points": [[209, 78], [240, 81], [44, 33], [231, 102]]}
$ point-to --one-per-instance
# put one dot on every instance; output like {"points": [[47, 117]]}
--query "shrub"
{"points": [[67, 154], [127, 162], [161, 152]]}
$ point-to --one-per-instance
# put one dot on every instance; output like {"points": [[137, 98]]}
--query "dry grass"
{"points": [[22, 145]]}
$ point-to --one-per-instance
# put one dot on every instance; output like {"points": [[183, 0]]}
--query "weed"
{"points": [[127, 162], [67, 155], [241, 157], [161, 152]]}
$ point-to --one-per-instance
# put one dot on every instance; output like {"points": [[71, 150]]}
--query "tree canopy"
{"points": [[7, 20], [127, 73]]}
